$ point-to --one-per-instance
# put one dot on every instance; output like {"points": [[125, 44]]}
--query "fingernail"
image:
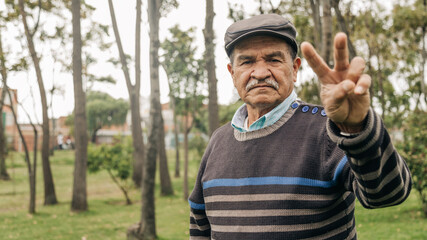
{"points": [[346, 87], [359, 90]]}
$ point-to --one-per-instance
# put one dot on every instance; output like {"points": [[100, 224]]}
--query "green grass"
{"points": [[108, 216], [405, 221]]}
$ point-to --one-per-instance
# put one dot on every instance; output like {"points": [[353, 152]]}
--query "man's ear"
{"points": [[296, 66], [231, 71]]}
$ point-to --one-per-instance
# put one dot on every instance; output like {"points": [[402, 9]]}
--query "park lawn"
{"points": [[108, 216]]}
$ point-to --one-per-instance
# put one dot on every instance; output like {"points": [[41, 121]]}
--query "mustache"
{"points": [[269, 82]]}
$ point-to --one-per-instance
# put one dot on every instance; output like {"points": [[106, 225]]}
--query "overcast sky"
{"points": [[189, 14]]}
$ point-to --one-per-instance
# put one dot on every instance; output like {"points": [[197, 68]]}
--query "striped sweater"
{"points": [[296, 179]]}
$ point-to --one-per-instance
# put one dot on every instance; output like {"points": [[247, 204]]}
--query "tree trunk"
{"points": [[315, 8], [343, 28], [134, 92], [49, 187], [93, 136], [326, 31], [79, 200], [210, 68], [175, 131], [147, 227], [3, 170], [31, 170], [381, 86], [185, 187], [424, 57], [165, 180], [52, 137]]}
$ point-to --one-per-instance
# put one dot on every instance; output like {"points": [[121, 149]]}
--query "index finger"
{"points": [[314, 60], [341, 52]]}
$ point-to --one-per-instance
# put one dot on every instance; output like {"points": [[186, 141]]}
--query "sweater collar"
{"points": [[238, 121]]}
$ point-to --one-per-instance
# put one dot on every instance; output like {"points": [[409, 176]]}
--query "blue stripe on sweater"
{"points": [[197, 206], [256, 181]]}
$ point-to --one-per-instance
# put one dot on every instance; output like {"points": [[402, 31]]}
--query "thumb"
{"points": [[341, 91]]}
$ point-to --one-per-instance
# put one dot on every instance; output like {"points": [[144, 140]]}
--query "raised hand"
{"points": [[344, 89]]}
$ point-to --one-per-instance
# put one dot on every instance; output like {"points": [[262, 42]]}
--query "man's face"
{"points": [[263, 71]]}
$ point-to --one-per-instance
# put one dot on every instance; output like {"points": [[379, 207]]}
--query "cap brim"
{"points": [[283, 36]]}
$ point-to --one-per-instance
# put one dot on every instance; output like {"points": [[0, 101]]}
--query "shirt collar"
{"points": [[238, 121]]}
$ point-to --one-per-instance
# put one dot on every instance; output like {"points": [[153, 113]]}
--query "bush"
{"points": [[117, 160], [414, 150]]}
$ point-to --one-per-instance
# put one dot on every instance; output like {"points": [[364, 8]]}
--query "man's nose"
{"points": [[260, 71]]}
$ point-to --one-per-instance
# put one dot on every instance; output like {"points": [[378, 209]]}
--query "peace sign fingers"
{"points": [[314, 60], [341, 52]]}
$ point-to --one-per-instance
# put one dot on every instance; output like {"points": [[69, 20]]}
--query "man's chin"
{"points": [[264, 103]]}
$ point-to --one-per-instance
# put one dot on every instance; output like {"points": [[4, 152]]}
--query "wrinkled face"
{"points": [[263, 71]]}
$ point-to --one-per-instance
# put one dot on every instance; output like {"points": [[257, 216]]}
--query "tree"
{"points": [[166, 188], [415, 153], [31, 168], [116, 159], [325, 51], [134, 91], [103, 110], [79, 199], [185, 75], [49, 187], [146, 229], [148, 222], [3, 171], [343, 27], [210, 67], [409, 25]]}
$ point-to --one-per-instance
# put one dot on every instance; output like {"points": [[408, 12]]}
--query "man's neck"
{"points": [[254, 113]]}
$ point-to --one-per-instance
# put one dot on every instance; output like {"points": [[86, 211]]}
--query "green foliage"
{"points": [[414, 150], [198, 143], [226, 112], [104, 110], [101, 110], [186, 75], [116, 159], [308, 91], [167, 6]]}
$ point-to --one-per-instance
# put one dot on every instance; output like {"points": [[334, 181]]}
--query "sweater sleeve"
{"points": [[200, 228], [379, 176]]}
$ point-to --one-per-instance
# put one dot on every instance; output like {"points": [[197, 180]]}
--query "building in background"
{"points": [[8, 121]]}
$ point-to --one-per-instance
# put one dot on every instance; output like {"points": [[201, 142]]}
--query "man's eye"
{"points": [[275, 60], [246, 62]]}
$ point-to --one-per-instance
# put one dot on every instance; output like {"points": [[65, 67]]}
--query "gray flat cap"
{"points": [[265, 24]]}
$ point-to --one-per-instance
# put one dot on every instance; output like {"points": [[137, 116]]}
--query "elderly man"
{"points": [[285, 169]]}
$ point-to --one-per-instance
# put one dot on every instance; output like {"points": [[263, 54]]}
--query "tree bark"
{"points": [[165, 180], [147, 226], [175, 131], [315, 8], [185, 187], [134, 92], [210, 67], [31, 170], [326, 31], [424, 57], [343, 28], [3, 170], [79, 199], [49, 187]]}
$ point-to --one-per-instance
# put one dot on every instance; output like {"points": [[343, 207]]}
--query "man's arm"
{"points": [[200, 228], [379, 176], [199, 223]]}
